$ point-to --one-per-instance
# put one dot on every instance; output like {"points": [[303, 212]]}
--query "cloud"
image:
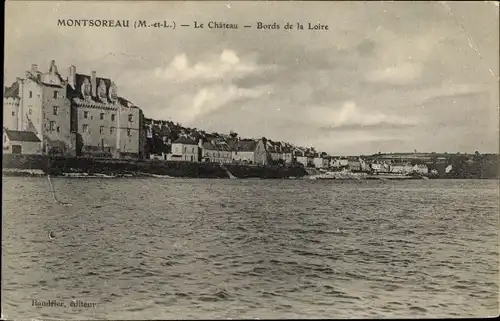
{"points": [[400, 59], [227, 65], [349, 115], [193, 105], [398, 74]]}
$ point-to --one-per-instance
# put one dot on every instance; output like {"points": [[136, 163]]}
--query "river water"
{"points": [[205, 249]]}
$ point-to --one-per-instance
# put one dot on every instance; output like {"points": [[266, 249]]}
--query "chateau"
{"points": [[79, 115]]}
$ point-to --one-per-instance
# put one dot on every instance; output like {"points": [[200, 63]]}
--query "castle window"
{"points": [[128, 132], [111, 130], [52, 126], [14, 113], [29, 112], [113, 116], [56, 94], [85, 114], [30, 94], [57, 129], [102, 116], [85, 128], [130, 117], [101, 130], [55, 109]]}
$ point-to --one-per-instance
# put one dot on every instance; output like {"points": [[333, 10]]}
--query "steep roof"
{"points": [[21, 136], [77, 92], [124, 101], [12, 91], [51, 85], [185, 141], [246, 145], [219, 147]]}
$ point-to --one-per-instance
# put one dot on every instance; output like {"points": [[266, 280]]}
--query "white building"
{"points": [[339, 162], [216, 153], [320, 162], [184, 149], [401, 168], [380, 167], [421, 169], [243, 151]]}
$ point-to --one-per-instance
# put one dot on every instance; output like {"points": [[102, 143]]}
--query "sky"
{"points": [[386, 76]]}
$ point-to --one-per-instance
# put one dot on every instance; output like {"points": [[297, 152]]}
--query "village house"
{"points": [[275, 149], [421, 169], [287, 153], [379, 167], [365, 166], [354, 164], [321, 161], [21, 142], [243, 151], [401, 168], [300, 157], [216, 152], [185, 149], [339, 162], [311, 154]]}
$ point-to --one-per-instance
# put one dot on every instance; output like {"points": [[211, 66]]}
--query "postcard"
{"points": [[250, 160]]}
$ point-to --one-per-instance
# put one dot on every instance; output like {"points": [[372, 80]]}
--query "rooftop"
{"points": [[185, 141], [12, 91], [21, 136]]}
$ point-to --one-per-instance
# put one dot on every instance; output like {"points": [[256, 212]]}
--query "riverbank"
{"points": [[19, 165]]}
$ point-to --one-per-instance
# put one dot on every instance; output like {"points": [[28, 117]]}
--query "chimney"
{"points": [[72, 76], [34, 69], [93, 82], [53, 67], [200, 143]]}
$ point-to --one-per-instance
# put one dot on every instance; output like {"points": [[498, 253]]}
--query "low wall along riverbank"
{"points": [[55, 165]]}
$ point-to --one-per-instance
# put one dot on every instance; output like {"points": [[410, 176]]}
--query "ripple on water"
{"points": [[283, 249]]}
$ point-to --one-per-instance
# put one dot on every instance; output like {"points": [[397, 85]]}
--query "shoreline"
{"points": [[40, 165], [19, 172], [87, 167]]}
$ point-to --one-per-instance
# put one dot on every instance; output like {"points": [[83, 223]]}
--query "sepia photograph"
{"points": [[250, 160]]}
